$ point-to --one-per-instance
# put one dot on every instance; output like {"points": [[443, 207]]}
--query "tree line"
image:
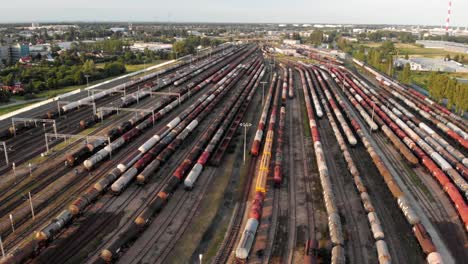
{"points": [[190, 44], [441, 86], [47, 77]]}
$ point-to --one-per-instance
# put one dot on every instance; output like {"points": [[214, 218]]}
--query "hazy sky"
{"points": [[431, 12]]}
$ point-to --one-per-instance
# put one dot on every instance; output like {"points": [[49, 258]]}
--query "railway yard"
{"points": [[238, 156]]}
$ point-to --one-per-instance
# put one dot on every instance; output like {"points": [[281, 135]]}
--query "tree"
{"points": [[316, 37], [4, 96], [9, 79], [114, 68], [89, 67], [387, 47], [406, 56], [406, 74], [78, 77], [51, 83], [390, 65], [179, 47]]}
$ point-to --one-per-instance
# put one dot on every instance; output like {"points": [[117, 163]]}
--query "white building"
{"points": [[291, 41], [154, 46], [43, 49], [117, 29]]}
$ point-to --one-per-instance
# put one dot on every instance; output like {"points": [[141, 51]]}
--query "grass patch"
{"points": [[415, 50], [209, 207], [417, 181], [305, 117], [283, 57], [425, 52], [139, 67]]}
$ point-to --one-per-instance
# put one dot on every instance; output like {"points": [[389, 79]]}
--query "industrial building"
{"points": [[432, 64]]}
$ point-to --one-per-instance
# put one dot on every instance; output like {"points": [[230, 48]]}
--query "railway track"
{"points": [[351, 227], [48, 201], [401, 243], [134, 214], [306, 185], [66, 124], [101, 207], [433, 206], [291, 179], [38, 182], [45, 179], [189, 202], [105, 167]]}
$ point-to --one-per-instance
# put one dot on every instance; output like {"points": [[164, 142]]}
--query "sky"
{"points": [[415, 12]]}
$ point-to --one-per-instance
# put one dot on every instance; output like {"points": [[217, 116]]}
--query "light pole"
{"points": [[87, 79], [6, 152], [12, 223], [245, 125], [263, 92], [14, 171], [1, 247], [31, 204]]}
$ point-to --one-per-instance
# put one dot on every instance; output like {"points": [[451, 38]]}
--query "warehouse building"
{"points": [[432, 64]]}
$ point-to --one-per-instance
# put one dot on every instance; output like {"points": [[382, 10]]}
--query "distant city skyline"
{"points": [[413, 12]]}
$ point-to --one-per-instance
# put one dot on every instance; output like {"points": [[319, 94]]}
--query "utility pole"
{"points": [[245, 125]]}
